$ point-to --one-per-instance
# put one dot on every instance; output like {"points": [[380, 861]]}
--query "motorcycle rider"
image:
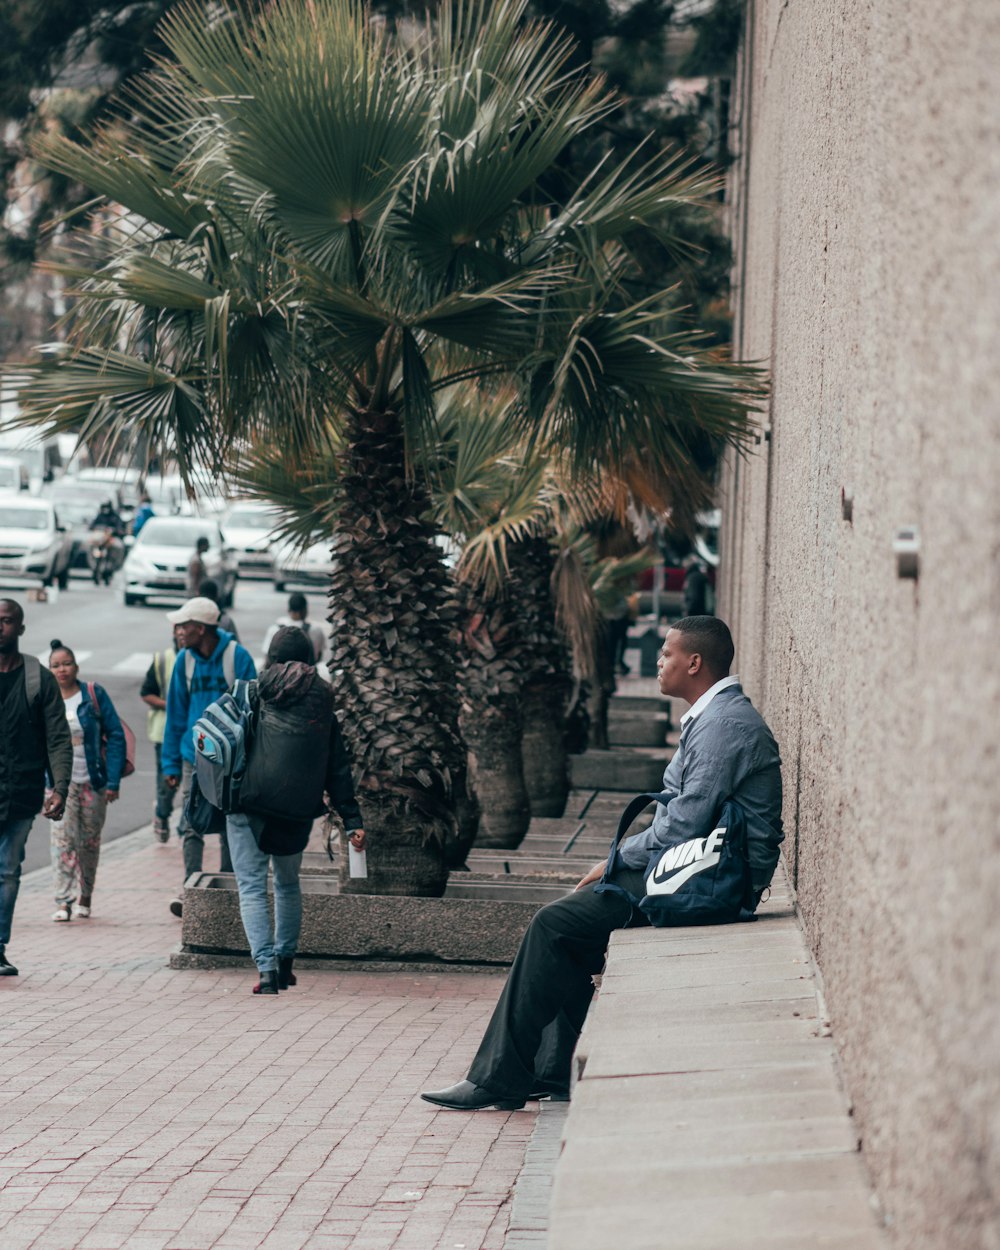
{"points": [[108, 547], [108, 518]]}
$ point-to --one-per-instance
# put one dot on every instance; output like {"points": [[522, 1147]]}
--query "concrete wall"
{"points": [[866, 213]]}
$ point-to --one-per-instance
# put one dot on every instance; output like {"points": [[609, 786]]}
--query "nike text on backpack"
{"points": [[128, 768], [221, 740], [701, 881]]}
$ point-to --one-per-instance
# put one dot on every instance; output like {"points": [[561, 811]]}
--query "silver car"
{"points": [[311, 567], [156, 566], [247, 527], [34, 547]]}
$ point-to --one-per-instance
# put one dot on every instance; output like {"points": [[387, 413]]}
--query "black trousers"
{"points": [[528, 1044]]}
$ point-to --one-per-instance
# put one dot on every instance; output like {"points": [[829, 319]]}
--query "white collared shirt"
{"points": [[701, 703]]}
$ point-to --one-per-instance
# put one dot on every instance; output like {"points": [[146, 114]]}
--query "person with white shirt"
{"points": [[99, 752], [726, 752], [298, 613]]}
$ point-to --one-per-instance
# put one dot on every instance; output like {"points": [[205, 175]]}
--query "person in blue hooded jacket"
{"points": [[206, 667], [98, 759]]}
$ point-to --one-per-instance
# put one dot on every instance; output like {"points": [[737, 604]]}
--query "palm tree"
{"points": [[322, 226]]}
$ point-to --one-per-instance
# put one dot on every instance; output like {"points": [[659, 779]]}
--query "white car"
{"points": [[14, 476], [122, 484], [156, 565], [247, 527], [34, 547], [312, 567]]}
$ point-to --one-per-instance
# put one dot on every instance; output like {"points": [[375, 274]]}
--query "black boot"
{"points": [[286, 976], [268, 983]]}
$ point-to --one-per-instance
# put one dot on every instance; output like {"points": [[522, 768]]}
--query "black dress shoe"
{"points": [[286, 976], [552, 1092], [468, 1097], [6, 969]]}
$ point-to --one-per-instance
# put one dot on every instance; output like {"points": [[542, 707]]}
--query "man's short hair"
{"points": [[18, 610], [297, 602], [710, 638]]}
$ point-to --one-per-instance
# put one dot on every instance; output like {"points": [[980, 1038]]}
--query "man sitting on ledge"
{"points": [[726, 751]]}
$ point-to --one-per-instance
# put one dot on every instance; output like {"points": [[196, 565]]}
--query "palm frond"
{"points": [[117, 398]]}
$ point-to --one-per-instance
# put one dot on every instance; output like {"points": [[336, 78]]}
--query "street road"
{"points": [[114, 645]]}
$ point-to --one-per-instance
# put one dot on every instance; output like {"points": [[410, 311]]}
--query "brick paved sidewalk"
{"points": [[157, 1110]]}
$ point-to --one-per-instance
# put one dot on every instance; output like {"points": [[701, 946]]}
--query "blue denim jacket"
{"points": [[727, 752], [103, 771]]}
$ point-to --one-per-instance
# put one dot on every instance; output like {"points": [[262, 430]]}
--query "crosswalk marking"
{"points": [[138, 662]]}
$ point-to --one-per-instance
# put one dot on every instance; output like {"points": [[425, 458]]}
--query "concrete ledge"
{"points": [[706, 1110], [364, 927]]}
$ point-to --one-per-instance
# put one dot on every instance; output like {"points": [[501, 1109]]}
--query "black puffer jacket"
{"points": [[296, 754]]}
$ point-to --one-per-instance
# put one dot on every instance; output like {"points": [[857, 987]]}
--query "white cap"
{"points": [[200, 609]]}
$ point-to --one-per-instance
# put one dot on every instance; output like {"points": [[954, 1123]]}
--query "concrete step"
{"points": [[639, 705], [619, 769], [516, 864], [500, 889], [630, 729]]}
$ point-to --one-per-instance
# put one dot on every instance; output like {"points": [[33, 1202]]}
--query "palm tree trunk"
{"points": [[394, 614], [547, 682], [491, 673], [601, 691], [497, 775]]}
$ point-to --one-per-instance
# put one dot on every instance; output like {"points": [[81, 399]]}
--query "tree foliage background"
{"points": [[64, 62]]}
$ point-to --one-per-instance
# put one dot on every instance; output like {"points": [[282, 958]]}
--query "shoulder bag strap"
{"points": [[632, 809], [92, 690], [32, 678], [229, 662]]}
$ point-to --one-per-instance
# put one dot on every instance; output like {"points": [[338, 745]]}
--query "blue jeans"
{"points": [[13, 837], [250, 864]]}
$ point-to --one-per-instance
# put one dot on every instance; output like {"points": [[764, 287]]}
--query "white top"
{"points": [[701, 703], [80, 771], [315, 633]]}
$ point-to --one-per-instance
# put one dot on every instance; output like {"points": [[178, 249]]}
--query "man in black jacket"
{"points": [[34, 735]]}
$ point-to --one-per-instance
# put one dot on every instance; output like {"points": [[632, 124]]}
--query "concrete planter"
{"points": [[479, 930]]}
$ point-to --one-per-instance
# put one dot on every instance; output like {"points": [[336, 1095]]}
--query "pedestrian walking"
{"points": [[695, 590], [209, 589], [298, 612], [296, 753], [33, 735], [142, 513], [98, 759], [196, 570], [154, 694], [208, 664]]}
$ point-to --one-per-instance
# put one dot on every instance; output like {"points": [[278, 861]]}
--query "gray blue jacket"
{"points": [[727, 752]]}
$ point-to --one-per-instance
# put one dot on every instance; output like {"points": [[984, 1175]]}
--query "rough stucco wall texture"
{"points": [[866, 211]]}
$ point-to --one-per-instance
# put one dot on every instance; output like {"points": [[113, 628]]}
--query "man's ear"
{"points": [[694, 664]]}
